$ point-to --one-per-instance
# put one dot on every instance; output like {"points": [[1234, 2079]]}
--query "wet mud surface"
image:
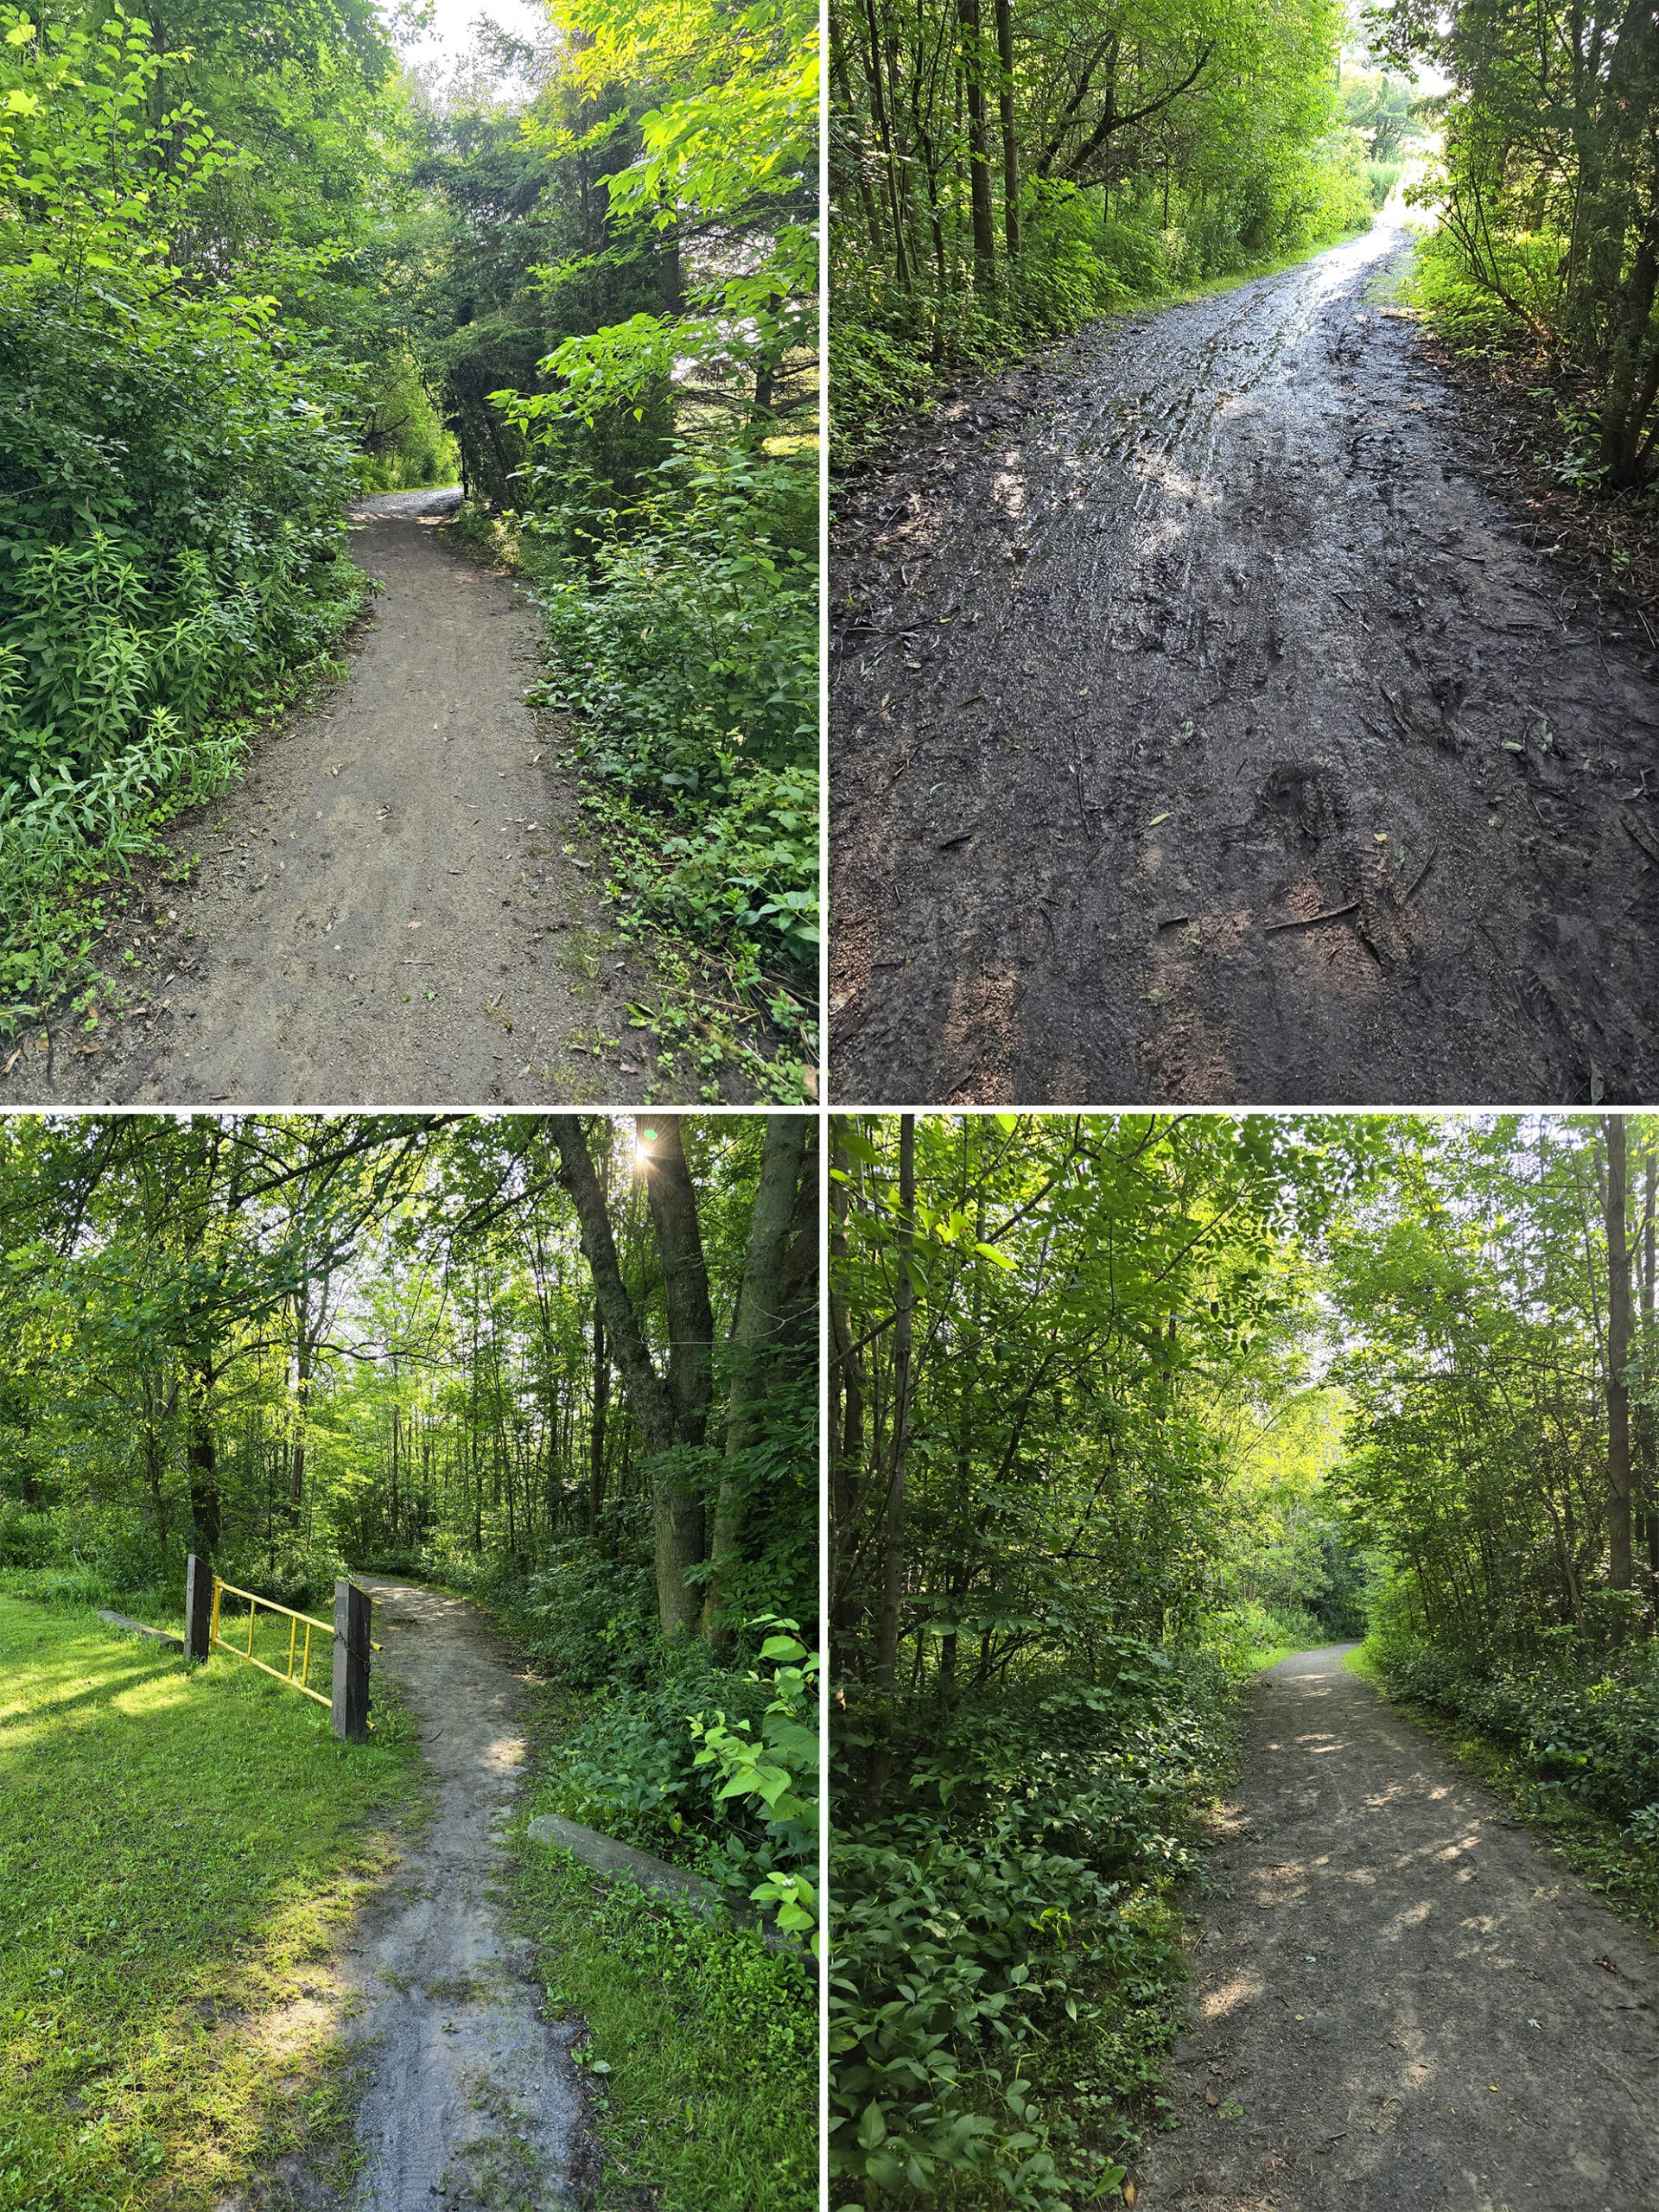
{"points": [[1402, 1999], [1207, 728], [396, 903], [472, 2098]]}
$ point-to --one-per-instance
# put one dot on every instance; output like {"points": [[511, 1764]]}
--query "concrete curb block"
{"points": [[138, 1627], [622, 1862]]}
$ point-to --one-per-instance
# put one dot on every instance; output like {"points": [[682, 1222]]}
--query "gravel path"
{"points": [[1403, 2000], [396, 906], [1204, 730], [474, 2102]]}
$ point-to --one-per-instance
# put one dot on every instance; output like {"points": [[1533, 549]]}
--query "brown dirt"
{"points": [[1402, 1998], [396, 906], [1205, 730]]}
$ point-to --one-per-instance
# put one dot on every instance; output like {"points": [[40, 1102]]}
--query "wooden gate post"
{"points": [[198, 1608], [351, 1662]]}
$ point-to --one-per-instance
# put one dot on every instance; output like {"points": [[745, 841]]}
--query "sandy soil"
{"points": [[1402, 1999], [397, 904], [1205, 728], [472, 2098]]}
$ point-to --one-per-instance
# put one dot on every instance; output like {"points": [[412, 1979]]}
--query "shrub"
{"points": [[1588, 1732], [684, 631], [972, 1942]]}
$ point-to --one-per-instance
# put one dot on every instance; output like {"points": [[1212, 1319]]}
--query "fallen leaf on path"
{"points": [[1156, 819]]}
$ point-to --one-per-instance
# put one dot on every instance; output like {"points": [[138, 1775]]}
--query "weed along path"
{"points": [[395, 905], [1400, 1998], [472, 2098], [1207, 729]]}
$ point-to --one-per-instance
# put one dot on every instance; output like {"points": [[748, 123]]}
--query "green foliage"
{"points": [[1209, 148], [690, 649], [1547, 198], [406, 447], [1588, 1735], [1004, 1970], [173, 474], [701, 2056], [769, 1768]]}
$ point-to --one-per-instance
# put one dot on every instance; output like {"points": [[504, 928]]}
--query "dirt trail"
{"points": [[1205, 730], [1403, 2000], [385, 911], [474, 2099]]}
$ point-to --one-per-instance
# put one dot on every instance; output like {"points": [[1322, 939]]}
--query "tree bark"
{"points": [[1646, 1424], [979, 163], [201, 1454], [1619, 1354], [647, 1396], [596, 1443], [760, 1325], [659, 1407], [1005, 115]]}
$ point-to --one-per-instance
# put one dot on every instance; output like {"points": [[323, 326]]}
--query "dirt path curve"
{"points": [[1411, 2000], [473, 2099], [1203, 729], [385, 913]]}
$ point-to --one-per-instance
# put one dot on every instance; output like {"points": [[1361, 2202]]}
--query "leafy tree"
{"points": [[999, 173], [1548, 196]]}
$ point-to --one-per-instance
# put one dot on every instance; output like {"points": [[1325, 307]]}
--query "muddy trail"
{"points": [[1207, 728], [396, 906], [1400, 1997], [472, 2098]]}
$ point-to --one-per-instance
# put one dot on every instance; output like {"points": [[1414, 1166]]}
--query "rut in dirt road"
{"points": [[1400, 1999], [473, 2099], [1204, 730], [385, 910]]}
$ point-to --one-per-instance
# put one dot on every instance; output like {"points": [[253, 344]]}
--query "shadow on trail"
{"points": [[1401, 1998]]}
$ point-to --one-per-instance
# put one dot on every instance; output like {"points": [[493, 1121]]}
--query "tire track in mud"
{"points": [[1400, 1997], [1204, 730]]}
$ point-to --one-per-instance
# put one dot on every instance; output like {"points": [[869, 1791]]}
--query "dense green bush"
{"points": [[172, 471], [1588, 1732], [974, 1941], [685, 631]]}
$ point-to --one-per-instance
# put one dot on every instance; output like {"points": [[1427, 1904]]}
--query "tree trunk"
{"points": [[1619, 1354], [647, 1398], [758, 1325], [201, 1453], [685, 1278], [676, 1509], [677, 1517], [893, 1547], [596, 1441], [1005, 115], [979, 164], [1646, 1422]]}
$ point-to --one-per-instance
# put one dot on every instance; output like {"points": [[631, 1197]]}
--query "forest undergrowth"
{"points": [[239, 285]]}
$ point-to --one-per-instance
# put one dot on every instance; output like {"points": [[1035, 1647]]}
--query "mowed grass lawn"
{"points": [[179, 1849]]}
